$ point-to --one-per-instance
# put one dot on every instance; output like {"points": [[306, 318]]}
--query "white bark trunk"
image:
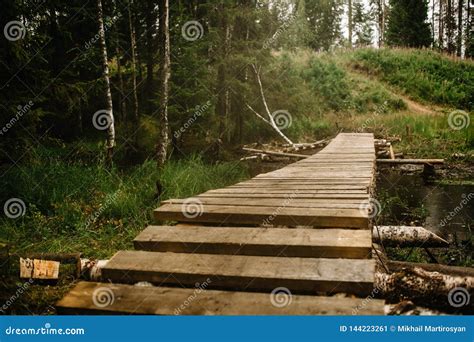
{"points": [[108, 94], [406, 236], [165, 74]]}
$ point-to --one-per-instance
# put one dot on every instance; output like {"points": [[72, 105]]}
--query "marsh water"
{"points": [[448, 209]]}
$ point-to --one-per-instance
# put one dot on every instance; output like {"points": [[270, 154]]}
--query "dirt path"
{"points": [[412, 105]]}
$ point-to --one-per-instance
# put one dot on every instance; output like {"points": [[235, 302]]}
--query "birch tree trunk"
{"points": [[150, 60], [108, 94], [460, 24], [350, 22], [165, 73], [133, 61]]}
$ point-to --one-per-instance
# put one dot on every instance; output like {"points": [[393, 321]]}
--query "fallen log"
{"points": [[406, 236], [281, 154], [410, 161], [447, 291]]}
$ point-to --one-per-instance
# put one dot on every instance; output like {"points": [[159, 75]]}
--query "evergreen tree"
{"points": [[408, 24], [362, 25], [324, 18]]}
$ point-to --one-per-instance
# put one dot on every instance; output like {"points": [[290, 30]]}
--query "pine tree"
{"points": [[324, 18], [362, 25], [408, 24]]}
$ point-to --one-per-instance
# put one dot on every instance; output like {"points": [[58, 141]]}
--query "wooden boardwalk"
{"points": [[283, 242]]}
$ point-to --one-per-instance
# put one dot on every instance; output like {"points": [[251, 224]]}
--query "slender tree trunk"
{"points": [[469, 29], [459, 40], [165, 73], [441, 25], [350, 22], [108, 94], [122, 105], [133, 60], [150, 29], [433, 23], [222, 106], [449, 26]]}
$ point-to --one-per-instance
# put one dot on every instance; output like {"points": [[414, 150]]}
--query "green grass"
{"points": [[64, 198], [422, 74]]}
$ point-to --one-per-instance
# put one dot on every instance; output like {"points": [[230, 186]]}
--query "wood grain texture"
{"points": [[287, 216], [254, 273], [306, 243], [133, 300]]}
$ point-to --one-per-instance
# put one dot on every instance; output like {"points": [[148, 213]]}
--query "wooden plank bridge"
{"points": [[284, 242]]}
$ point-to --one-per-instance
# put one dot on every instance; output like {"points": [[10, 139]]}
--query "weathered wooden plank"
{"points": [[288, 191], [305, 243], [290, 202], [342, 218], [286, 195], [129, 299], [255, 273]]}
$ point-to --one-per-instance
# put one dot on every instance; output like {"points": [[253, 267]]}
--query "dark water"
{"points": [[449, 208]]}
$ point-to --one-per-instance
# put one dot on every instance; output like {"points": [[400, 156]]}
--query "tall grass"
{"points": [[73, 207], [422, 74]]}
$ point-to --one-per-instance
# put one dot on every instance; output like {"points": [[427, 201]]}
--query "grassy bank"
{"points": [[73, 207], [424, 75]]}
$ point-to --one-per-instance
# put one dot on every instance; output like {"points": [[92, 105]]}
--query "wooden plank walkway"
{"points": [[304, 228]]}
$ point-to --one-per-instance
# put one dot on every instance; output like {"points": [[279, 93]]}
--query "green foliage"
{"points": [[422, 74], [408, 24], [76, 207], [362, 25]]}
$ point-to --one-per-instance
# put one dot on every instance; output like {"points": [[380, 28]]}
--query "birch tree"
{"points": [[133, 60], [165, 73], [108, 94]]}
